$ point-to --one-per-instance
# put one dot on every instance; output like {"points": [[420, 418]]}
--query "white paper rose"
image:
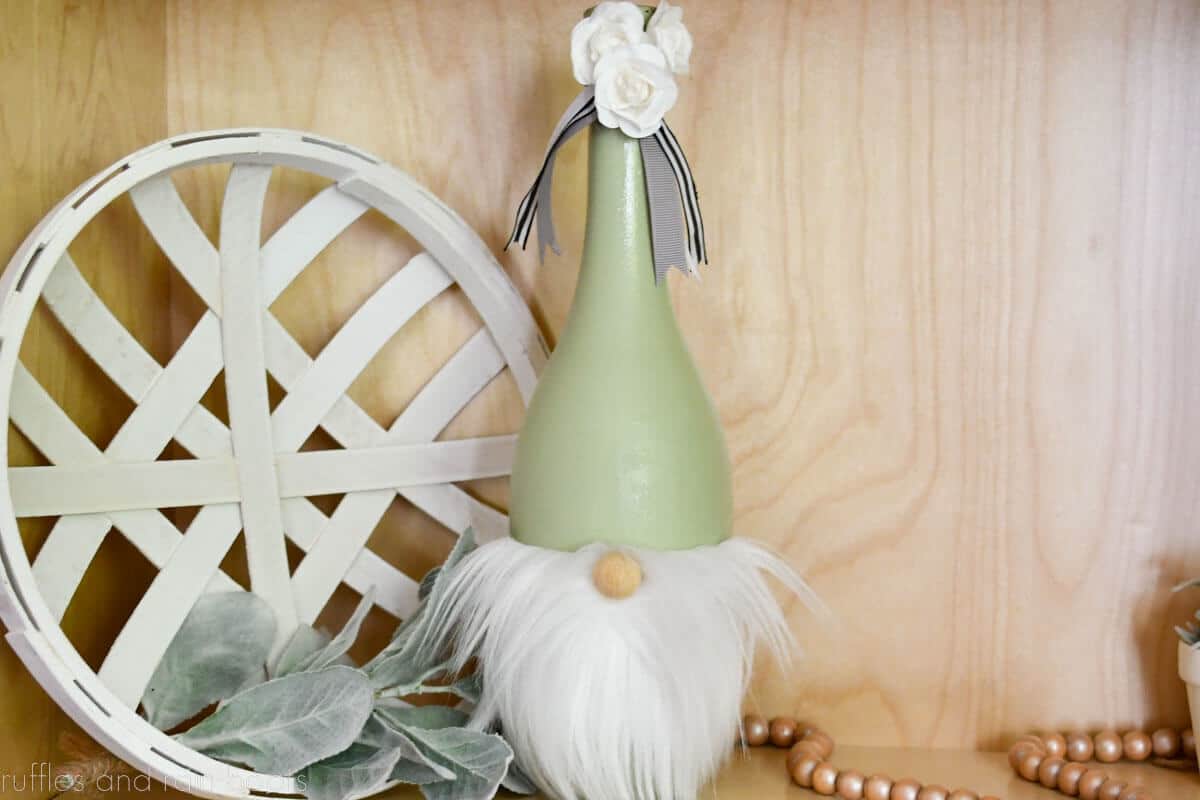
{"points": [[609, 27], [666, 29], [634, 89]]}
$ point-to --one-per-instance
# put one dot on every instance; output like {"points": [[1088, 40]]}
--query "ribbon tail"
{"points": [[687, 189], [545, 217], [676, 226], [536, 202], [667, 235], [526, 202]]}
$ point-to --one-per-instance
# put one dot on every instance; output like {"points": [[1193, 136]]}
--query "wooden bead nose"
{"points": [[617, 575]]}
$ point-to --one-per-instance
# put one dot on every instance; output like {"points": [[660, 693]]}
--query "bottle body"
{"points": [[621, 443]]}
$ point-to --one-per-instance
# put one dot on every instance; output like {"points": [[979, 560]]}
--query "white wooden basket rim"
{"points": [[34, 632]]}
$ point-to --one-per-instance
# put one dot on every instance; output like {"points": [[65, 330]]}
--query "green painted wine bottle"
{"points": [[621, 443]]}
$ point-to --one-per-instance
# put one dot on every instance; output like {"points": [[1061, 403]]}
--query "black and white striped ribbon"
{"points": [[676, 226]]}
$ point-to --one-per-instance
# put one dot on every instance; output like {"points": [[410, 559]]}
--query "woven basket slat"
{"points": [[251, 475]]}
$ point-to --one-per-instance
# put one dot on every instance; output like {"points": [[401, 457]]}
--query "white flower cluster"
{"points": [[633, 69]]}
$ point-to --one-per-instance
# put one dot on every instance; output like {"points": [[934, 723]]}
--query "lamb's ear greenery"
{"points": [[355, 772], [220, 649], [345, 732], [281, 726], [479, 761], [304, 642], [333, 652], [517, 781], [412, 638]]}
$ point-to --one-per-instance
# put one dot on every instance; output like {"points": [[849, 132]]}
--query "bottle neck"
{"points": [[618, 269]]}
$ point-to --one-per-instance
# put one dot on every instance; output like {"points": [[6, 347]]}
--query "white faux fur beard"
{"points": [[603, 699]]}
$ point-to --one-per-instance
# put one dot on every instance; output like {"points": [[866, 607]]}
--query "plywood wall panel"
{"points": [[949, 323], [81, 84]]}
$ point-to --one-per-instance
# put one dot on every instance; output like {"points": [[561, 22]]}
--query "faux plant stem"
{"points": [[621, 443]]}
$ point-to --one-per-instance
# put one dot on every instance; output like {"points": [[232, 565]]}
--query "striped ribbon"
{"points": [[676, 227]]}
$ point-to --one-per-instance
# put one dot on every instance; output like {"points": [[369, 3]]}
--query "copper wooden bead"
{"points": [[850, 785], [1165, 742], [1068, 778], [1036, 741], [1187, 743], [1047, 774], [815, 748], [877, 787], [822, 740], [1109, 747], [824, 778], [1029, 766], [805, 750], [755, 730], [782, 731], [1079, 747], [1136, 746], [1056, 745], [1090, 783], [802, 771], [906, 789], [1018, 752], [1053, 760]]}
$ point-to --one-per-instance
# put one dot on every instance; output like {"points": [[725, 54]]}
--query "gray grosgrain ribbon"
{"points": [[676, 227]]}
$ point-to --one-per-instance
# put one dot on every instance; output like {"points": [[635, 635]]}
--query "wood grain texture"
{"points": [[82, 84], [948, 323], [947, 320]]}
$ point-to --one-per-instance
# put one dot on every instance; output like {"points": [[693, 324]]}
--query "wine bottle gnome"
{"points": [[616, 628]]}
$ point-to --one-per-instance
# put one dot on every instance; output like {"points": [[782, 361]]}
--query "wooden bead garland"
{"points": [[1035, 758], [1054, 760], [808, 764]]}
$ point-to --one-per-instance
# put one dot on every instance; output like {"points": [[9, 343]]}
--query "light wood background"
{"points": [[950, 321]]}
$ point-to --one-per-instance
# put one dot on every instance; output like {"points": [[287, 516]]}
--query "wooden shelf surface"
{"points": [[761, 775]]}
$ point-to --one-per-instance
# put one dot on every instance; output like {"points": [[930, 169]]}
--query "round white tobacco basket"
{"points": [[248, 477]]}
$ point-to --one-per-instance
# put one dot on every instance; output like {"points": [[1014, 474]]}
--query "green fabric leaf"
{"points": [[517, 781], [469, 688], [220, 649], [357, 771], [304, 643], [400, 716], [379, 733], [427, 583], [330, 654], [410, 638], [479, 760], [420, 772], [281, 726], [379, 754], [401, 670], [413, 766]]}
